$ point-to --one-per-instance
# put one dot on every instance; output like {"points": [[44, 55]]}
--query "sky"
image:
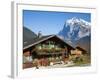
{"points": [[49, 22]]}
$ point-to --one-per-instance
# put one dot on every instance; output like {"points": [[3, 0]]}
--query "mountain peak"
{"points": [[28, 34], [75, 20], [75, 29], [72, 20]]}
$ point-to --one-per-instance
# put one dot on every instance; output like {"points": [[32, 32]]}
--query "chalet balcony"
{"points": [[46, 51]]}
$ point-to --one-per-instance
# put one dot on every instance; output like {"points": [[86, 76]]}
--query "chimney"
{"points": [[39, 34]]}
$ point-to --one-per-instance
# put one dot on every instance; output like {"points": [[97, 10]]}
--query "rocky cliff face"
{"points": [[76, 32]]}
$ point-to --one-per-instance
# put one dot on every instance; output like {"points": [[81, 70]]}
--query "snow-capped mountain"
{"points": [[75, 29]]}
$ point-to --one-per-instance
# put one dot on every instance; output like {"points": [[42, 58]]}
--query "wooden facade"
{"points": [[46, 50]]}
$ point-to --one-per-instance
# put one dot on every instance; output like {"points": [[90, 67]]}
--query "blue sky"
{"points": [[49, 22]]}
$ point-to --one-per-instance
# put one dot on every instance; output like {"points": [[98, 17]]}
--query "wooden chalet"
{"points": [[43, 50], [81, 49]]}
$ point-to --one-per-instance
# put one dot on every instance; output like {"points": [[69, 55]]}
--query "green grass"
{"points": [[83, 61]]}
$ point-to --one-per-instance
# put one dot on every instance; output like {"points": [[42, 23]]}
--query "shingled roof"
{"points": [[37, 40]]}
